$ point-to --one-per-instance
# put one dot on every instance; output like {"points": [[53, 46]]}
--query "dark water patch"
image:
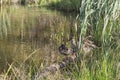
{"points": [[66, 5]]}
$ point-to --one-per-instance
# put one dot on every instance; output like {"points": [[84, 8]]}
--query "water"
{"points": [[32, 34]]}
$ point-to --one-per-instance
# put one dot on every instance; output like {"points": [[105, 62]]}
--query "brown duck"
{"points": [[64, 50]]}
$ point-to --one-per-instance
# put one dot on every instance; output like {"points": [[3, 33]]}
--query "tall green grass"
{"points": [[101, 16], [100, 19], [4, 24]]}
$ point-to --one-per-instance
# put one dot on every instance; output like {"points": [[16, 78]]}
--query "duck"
{"points": [[64, 50]]}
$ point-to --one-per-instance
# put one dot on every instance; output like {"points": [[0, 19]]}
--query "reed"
{"points": [[4, 24], [97, 18]]}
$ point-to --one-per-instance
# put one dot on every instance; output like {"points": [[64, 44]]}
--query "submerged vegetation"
{"points": [[30, 37]]}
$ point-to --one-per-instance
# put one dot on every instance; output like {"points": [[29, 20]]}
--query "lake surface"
{"points": [[32, 34]]}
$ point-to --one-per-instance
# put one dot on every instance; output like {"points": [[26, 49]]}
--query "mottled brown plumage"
{"points": [[63, 50]]}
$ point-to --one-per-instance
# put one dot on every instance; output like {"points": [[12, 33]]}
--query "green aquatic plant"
{"points": [[4, 24], [100, 15], [98, 18]]}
